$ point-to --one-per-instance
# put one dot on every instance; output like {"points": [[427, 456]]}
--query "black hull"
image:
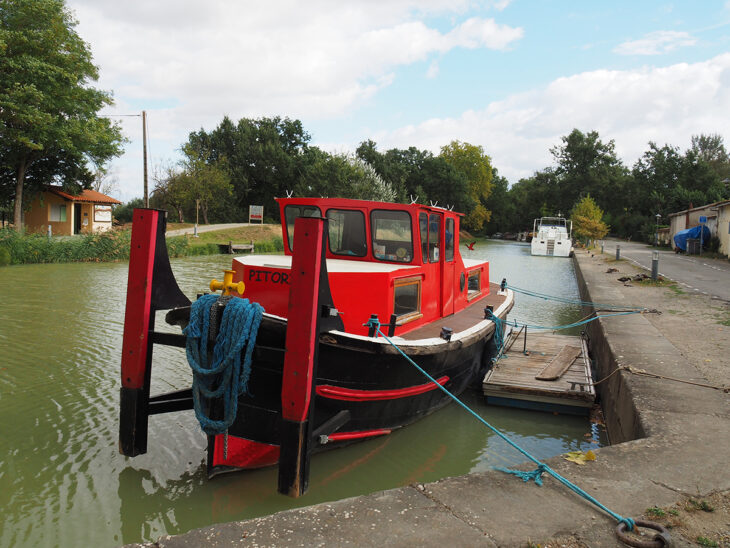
{"points": [[379, 375]]}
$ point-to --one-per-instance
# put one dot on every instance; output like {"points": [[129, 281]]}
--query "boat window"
{"points": [[392, 236], [434, 231], [291, 212], [407, 299], [449, 237], [423, 224], [346, 230], [474, 286]]}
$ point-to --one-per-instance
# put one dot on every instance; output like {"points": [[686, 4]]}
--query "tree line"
{"points": [[662, 181], [254, 161]]}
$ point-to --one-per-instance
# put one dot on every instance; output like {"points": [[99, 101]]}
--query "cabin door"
{"points": [[447, 268]]}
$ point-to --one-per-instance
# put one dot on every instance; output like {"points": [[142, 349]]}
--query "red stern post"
{"points": [[297, 389]]}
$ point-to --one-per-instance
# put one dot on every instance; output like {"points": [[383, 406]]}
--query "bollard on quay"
{"points": [[654, 265], [618, 252]]}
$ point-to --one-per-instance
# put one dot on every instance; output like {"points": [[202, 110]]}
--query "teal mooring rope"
{"points": [[536, 474], [225, 377], [566, 300]]}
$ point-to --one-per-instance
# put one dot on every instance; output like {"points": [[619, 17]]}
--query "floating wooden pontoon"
{"points": [[549, 373]]}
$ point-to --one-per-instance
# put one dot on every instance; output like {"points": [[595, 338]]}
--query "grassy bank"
{"points": [[112, 246]]}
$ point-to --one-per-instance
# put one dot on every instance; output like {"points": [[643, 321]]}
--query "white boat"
{"points": [[551, 237]]}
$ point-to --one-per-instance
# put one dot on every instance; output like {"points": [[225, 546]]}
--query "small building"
{"points": [[717, 216], [66, 214]]}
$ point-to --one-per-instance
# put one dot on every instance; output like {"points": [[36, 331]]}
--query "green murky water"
{"points": [[64, 483]]}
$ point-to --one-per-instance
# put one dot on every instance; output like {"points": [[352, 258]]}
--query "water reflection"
{"points": [[63, 482]]}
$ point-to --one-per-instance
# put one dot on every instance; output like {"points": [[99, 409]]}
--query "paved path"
{"points": [[694, 272], [206, 228]]}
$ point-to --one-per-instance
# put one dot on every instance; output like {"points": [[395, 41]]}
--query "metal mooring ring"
{"points": [[660, 540]]}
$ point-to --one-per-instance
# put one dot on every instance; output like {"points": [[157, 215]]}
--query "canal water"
{"points": [[64, 483]]}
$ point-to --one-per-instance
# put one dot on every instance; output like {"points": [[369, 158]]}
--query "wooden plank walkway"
{"points": [[513, 380]]}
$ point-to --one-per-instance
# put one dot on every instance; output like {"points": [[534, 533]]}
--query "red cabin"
{"points": [[382, 258]]}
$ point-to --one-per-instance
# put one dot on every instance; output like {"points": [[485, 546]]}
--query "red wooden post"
{"points": [[297, 388], [136, 345]]}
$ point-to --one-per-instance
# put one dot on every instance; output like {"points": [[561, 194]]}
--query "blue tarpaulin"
{"points": [[680, 238]]}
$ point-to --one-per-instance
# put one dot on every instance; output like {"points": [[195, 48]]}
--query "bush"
{"points": [[4, 256], [272, 246]]}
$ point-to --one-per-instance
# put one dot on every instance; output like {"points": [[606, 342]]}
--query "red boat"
{"points": [[398, 262]]}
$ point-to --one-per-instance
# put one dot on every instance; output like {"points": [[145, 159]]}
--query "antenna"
{"points": [[413, 200], [289, 193], [434, 204]]}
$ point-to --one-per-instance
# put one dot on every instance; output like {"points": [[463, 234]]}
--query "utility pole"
{"points": [[144, 156]]}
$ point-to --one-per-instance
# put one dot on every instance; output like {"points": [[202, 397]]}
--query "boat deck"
{"points": [[564, 358], [462, 320]]}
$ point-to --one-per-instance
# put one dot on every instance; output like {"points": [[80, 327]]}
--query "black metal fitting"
{"points": [[503, 284], [446, 333], [488, 312]]}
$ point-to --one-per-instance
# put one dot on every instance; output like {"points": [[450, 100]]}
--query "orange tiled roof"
{"points": [[86, 196]]}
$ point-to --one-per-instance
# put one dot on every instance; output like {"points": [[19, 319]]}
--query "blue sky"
{"points": [[511, 76]]}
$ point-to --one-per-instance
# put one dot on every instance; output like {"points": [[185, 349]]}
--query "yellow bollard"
{"points": [[227, 284]]}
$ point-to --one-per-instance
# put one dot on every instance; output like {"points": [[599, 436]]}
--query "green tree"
{"points": [[587, 220], [711, 149], [264, 157], [123, 213], [171, 191], [206, 184], [49, 126], [587, 165], [477, 168]]}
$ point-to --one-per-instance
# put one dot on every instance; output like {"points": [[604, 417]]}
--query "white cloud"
{"points": [[665, 105], [189, 63], [433, 69], [656, 43]]}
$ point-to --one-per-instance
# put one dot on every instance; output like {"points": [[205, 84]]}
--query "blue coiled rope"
{"points": [[542, 468], [225, 377]]}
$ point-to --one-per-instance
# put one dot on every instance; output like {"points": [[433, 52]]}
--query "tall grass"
{"points": [[37, 248], [100, 247]]}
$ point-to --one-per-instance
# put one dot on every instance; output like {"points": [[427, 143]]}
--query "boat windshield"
{"points": [[392, 236], [291, 212], [346, 231]]}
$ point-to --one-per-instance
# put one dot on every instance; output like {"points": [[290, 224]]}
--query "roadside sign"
{"points": [[703, 219], [256, 213]]}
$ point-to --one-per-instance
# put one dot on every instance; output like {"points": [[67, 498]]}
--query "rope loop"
{"points": [[225, 378]]}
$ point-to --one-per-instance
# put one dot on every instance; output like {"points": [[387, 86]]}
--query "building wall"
{"points": [[723, 228], [38, 217]]}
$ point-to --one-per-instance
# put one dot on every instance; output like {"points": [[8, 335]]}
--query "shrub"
{"points": [[4, 256]]}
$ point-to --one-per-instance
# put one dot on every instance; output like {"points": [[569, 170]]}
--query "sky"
{"points": [[513, 76]]}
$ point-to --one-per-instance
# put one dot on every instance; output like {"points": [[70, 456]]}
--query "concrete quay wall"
{"points": [[670, 440]]}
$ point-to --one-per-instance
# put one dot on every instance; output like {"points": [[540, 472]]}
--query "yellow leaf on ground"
{"points": [[579, 457]]}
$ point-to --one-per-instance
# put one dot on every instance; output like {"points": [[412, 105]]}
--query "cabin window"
{"points": [[474, 285], [449, 237], [407, 299], [291, 212], [58, 213], [346, 231], [392, 236], [434, 231], [423, 225]]}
